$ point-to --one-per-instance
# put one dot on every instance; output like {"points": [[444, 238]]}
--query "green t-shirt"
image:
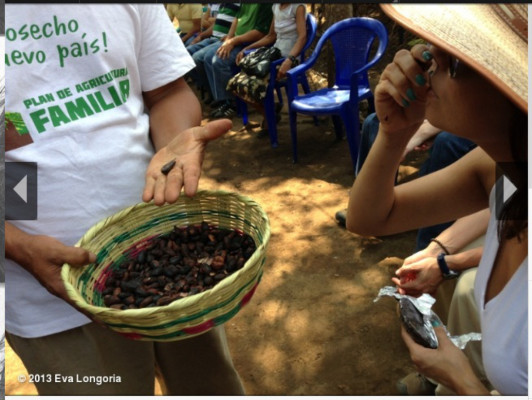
{"points": [[254, 17]]}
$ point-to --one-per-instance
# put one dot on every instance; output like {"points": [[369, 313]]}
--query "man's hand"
{"points": [[44, 256], [197, 39], [225, 49], [188, 149]]}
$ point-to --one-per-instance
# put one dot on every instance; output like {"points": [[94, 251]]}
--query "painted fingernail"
{"points": [[405, 103], [410, 94], [427, 55], [420, 80], [435, 323]]}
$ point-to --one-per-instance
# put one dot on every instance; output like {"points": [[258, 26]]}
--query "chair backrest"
{"points": [[312, 28], [352, 40]]}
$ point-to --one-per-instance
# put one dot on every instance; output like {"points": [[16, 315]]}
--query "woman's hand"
{"points": [[283, 68], [188, 150], [239, 56], [417, 277], [447, 364], [401, 92]]}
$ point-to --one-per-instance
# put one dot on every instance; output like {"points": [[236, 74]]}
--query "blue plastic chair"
{"points": [[274, 85], [352, 41]]}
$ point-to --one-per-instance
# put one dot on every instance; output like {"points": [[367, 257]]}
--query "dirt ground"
{"points": [[312, 327]]}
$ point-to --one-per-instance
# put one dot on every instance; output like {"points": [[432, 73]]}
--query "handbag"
{"points": [[258, 62]]}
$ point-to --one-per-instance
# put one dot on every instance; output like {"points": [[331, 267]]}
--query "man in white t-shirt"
{"points": [[97, 99]]}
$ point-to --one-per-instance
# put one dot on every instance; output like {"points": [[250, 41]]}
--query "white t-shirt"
{"points": [[75, 74], [504, 320]]}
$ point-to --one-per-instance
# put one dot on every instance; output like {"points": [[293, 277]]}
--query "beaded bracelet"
{"points": [[441, 245]]}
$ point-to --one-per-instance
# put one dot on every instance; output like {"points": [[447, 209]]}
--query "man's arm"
{"points": [[173, 108], [175, 118]]}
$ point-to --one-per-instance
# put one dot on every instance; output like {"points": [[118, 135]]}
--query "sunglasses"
{"points": [[453, 63]]}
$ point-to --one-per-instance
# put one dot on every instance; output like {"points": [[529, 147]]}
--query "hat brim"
{"points": [[476, 35]]}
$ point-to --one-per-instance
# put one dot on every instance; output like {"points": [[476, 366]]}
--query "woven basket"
{"points": [[125, 233]]}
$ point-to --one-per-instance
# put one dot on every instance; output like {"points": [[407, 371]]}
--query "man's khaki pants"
{"points": [[90, 354]]}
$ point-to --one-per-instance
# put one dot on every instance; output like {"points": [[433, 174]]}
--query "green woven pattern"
{"points": [[128, 230]]}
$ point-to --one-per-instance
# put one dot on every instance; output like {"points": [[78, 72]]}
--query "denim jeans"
{"points": [[446, 149], [198, 51], [193, 48], [219, 71]]}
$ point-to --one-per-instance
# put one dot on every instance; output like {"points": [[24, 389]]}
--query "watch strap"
{"points": [[444, 268]]}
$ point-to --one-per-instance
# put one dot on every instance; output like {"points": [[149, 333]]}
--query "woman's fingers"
{"points": [[408, 78]]}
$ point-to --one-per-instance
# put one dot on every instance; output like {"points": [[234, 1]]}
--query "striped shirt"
{"points": [[224, 19]]}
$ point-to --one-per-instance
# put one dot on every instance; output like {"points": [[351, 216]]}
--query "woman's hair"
{"points": [[513, 217]]}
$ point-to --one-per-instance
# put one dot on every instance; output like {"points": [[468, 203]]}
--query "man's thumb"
{"points": [[78, 257], [214, 129]]}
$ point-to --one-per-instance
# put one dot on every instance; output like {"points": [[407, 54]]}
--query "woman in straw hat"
{"points": [[473, 81]]}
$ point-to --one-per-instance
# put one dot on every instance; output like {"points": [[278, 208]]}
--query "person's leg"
{"points": [[445, 150], [198, 74], [200, 365], [190, 39], [85, 352], [193, 48], [220, 70], [208, 57]]}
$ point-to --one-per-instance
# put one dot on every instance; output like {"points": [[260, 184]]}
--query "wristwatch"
{"points": [[293, 59], [444, 268]]}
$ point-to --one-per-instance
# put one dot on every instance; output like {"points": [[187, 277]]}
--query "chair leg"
{"points": [[279, 95], [293, 134], [242, 110], [350, 119], [338, 126], [269, 108]]}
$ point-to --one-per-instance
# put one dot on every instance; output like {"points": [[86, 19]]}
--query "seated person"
{"points": [[288, 32], [209, 15], [189, 18], [251, 24], [458, 88], [213, 36]]}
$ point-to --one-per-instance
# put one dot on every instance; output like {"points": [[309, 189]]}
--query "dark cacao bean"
{"points": [[163, 301], [146, 302]]}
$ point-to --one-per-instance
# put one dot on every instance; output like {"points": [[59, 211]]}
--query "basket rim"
{"points": [[107, 312]]}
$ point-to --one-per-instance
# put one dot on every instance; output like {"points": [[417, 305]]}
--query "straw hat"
{"points": [[491, 38]]}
